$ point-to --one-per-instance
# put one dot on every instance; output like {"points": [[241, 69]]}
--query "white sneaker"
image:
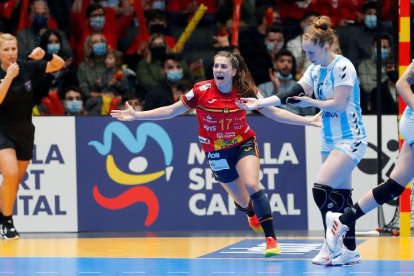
{"points": [[347, 257], [324, 257], [335, 230]]}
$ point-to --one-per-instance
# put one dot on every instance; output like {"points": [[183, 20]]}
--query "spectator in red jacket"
{"points": [[97, 19]]}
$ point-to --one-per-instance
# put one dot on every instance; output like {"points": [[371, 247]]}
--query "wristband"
{"points": [[296, 90], [47, 56]]}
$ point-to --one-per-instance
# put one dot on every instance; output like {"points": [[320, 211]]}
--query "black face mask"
{"points": [[158, 28], [39, 22], [392, 75], [158, 52]]}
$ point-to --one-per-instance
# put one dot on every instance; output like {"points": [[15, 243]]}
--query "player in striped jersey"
{"points": [[333, 81], [337, 224]]}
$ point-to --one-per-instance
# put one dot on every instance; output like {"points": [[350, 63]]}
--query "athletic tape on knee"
{"points": [[261, 204], [387, 191]]}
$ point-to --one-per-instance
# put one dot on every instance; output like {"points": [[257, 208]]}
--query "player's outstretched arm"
{"points": [[161, 113], [287, 117]]}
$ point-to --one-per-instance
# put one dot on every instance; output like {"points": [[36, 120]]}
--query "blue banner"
{"points": [[144, 176]]}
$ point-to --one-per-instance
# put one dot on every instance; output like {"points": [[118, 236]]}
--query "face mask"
{"points": [[158, 5], [370, 21], [158, 52], [135, 22], [74, 107], [393, 76], [270, 46], [97, 22], [39, 22], [110, 3], [282, 77], [279, 47], [99, 49], [384, 54], [175, 75], [158, 28], [53, 48]]}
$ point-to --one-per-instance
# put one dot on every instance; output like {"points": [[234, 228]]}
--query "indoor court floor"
{"points": [[200, 254]]}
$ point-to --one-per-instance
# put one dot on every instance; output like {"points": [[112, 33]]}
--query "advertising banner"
{"points": [[143, 176], [46, 201]]}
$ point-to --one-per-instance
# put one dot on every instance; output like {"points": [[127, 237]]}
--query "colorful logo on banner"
{"points": [[135, 180]]}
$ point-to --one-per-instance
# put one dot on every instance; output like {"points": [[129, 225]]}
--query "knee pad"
{"points": [[323, 197], [387, 191], [261, 205], [343, 199]]}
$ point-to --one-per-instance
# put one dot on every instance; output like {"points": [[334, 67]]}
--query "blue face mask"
{"points": [[158, 5], [282, 77], [99, 49], [370, 21], [110, 3], [270, 46], [175, 75], [97, 22], [74, 107], [384, 54], [53, 48], [39, 22], [135, 23]]}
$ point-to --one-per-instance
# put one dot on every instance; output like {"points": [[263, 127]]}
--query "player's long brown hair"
{"points": [[243, 80], [321, 32]]}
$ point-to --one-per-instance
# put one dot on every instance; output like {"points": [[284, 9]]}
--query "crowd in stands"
{"points": [[109, 60]]}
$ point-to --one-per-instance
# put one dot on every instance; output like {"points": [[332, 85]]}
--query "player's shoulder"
{"points": [[203, 86], [344, 65]]}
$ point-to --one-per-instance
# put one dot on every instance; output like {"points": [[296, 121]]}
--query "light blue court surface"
{"points": [[244, 257], [131, 266]]}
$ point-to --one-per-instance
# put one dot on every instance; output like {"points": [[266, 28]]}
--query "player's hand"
{"points": [[300, 101], [13, 70], [37, 53], [316, 120], [247, 103], [127, 114]]}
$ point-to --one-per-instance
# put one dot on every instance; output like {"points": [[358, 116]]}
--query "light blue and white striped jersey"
{"points": [[406, 126], [408, 112], [337, 126]]}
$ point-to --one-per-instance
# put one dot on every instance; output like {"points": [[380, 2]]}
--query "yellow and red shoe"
{"points": [[255, 224], [272, 247]]}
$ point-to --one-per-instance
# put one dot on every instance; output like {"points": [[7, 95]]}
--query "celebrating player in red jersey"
{"points": [[226, 138]]}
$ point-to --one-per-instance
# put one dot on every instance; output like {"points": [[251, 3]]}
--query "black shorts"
{"points": [[21, 140], [223, 162]]}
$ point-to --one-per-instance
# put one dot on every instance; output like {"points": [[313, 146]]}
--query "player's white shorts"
{"points": [[353, 148], [407, 126]]}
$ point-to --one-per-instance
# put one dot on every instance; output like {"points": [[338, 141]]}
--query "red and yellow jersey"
{"points": [[221, 123]]}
